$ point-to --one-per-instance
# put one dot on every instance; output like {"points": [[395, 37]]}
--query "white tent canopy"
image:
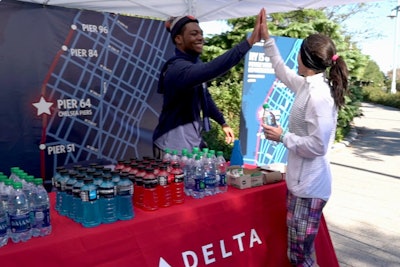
{"points": [[204, 10]]}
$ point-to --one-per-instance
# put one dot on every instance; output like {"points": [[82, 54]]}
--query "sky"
{"points": [[378, 43]]}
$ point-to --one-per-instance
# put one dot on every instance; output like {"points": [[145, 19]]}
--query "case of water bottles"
{"points": [[24, 207]]}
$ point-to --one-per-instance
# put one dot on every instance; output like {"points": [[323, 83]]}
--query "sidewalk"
{"points": [[363, 214]]}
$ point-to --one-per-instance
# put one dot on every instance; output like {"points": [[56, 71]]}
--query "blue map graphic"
{"points": [[261, 86]]}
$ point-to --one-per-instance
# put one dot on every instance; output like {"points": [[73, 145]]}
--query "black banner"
{"points": [[76, 86]]}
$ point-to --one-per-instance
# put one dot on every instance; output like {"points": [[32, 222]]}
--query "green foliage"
{"points": [[348, 112], [375, 95], [228, 97], [227, 89], [373, 76]]}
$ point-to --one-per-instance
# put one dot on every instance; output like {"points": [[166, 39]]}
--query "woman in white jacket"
{"points": [[320, 86]]}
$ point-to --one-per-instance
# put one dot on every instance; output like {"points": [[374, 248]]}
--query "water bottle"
{"points": [[6, 187], [2, 185], [209, 176], [124, 198], [150, 196], [19, 215], [107, 200], [174, 157], [29, 188], [41, 210], [3, 225], [167, 155], [188, 172], [269, 119], [2, 178], [15, 173], [7, 191], [163, 188], [77, 211], [183, 160], [221, 172], [90, 204], [177, 185], [213, 155], [205, 151], [198, 178]]}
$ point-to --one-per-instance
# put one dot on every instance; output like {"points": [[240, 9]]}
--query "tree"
{"points": [[296, 24], [373, 76]]}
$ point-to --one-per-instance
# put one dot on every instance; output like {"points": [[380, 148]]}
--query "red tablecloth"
{"points": [[237, 228]]}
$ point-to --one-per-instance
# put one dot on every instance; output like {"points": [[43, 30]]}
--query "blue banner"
{"points": [[261, 86]]}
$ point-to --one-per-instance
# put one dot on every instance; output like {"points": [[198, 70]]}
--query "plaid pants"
{"points": [[303, 217]]}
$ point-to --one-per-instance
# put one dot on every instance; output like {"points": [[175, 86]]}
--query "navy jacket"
{"points": [[185, 95]]}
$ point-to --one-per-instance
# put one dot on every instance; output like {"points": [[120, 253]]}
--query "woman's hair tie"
{"points": [[335, 57]]}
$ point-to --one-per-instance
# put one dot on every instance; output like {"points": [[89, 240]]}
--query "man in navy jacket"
{"points": [[187, 103]]}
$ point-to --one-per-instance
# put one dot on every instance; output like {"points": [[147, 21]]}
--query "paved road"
{"points": [[363, 214]]}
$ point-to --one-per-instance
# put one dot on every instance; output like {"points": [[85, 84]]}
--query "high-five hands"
{"points": [[260, 31], [264, 26]]}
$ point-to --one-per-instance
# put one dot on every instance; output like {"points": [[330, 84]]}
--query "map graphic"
{"points": [[261, 86], [93, 93]]}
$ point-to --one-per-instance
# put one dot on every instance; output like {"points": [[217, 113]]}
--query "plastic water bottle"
{"points": [[221, 172], [90, 204], [163, 188], [209, 176], [15, 173], [177, 185], [19, 214], [28, 187], [124, 198], [188, 172], [2, 178], [3, 225], [7, 191], [77, 211], [198, 178], [107, 200], [213, 155], [167, 155], [175, 157], [183, 160], [269, 119], [150, 196], [41, 210]]}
